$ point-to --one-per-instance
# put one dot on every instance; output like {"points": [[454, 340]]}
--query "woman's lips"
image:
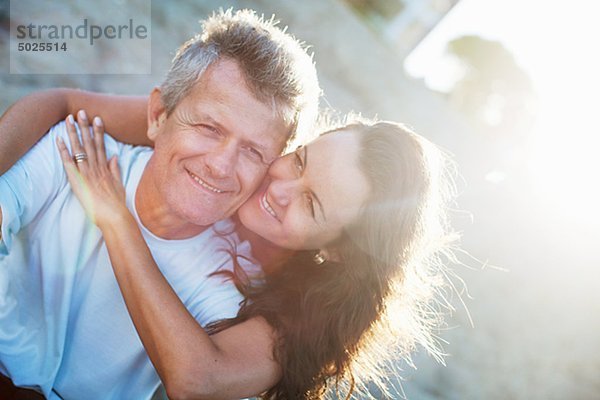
{"points": [[267, 206]]}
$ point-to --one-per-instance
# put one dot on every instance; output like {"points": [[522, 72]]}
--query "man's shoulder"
{"points": [[226, 237], [209, 251], [223, 235], [132, 159], [113, 146]]}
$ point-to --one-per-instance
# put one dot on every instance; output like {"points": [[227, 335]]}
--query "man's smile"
{"points": [[204, 184]]}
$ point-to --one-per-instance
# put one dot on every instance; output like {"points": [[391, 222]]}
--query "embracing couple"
{"points": [[223, 256]]}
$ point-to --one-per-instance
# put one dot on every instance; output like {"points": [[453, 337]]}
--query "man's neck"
{"points": [[156, 216]]}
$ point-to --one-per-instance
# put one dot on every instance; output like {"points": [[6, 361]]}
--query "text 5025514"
{"points": [[47, 46]]}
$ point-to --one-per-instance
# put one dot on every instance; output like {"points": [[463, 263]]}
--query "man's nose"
{"points": [[222, 160]]}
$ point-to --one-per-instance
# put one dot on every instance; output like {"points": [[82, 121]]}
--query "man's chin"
{"points": [[209, 219], [201, 212]]}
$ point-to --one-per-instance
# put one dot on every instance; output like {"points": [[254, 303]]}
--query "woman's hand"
{"points": [[95, 181]]}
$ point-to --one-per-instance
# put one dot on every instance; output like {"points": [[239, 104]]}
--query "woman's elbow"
{"points": [[184, 386], [182, 392], [186, 394], [175, 392]]}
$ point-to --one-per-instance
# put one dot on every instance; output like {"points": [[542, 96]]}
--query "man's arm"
{"points": [[30, 185], [29, 118]]}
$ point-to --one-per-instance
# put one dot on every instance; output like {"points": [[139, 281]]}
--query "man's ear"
{"points": [[157, 114]]}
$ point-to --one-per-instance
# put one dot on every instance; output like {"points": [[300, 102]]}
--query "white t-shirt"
{"points": [[64, 327]]}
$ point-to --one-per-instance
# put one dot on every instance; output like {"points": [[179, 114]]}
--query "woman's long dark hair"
{"points": [[336, 321]]}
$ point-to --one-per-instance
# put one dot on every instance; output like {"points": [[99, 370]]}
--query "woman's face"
{"points": [[309, 195]]}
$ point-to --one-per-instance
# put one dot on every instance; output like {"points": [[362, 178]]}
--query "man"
{"points": [[224, 112]]}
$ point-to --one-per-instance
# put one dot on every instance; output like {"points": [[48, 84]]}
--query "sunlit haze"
{"points": [[557, 44]]}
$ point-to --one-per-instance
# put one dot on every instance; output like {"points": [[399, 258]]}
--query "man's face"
{"points": [[214, 149]]}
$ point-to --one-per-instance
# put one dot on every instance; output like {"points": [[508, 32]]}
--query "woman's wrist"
{"points": [[118, 221]]}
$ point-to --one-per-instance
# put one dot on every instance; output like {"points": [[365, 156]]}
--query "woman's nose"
{"points": [[283, 191]]}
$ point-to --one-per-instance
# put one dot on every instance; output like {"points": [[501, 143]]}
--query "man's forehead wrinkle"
{"points": [[222, 97], [229, 70]]}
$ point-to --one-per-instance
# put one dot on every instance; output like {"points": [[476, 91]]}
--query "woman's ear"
{"points": [[157, 114], [331, 254]]}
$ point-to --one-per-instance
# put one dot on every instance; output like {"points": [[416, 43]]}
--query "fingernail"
{"points": [[82, 114], [71, 119], [97, 121]]}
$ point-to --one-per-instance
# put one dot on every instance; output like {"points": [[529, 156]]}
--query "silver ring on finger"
{"points": [[79, 157]]}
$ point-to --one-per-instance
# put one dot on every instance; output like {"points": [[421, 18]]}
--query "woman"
{"points": [[325, 312]]}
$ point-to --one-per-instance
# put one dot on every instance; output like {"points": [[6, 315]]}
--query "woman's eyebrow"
{"points": [[305, 157]]}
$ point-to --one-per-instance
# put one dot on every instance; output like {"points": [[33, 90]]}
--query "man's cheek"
{"points": [[255, 175]]}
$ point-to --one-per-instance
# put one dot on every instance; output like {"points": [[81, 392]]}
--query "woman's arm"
{"points": [[234, 363], [30, 117]]}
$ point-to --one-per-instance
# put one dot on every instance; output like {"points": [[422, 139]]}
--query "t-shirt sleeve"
{"points": [[220, 298], [30, 185], [221, 302]]}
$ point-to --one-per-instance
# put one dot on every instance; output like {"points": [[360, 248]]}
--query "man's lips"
{"points": [[204, 184]]}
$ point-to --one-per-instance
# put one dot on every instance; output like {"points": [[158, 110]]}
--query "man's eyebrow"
{"points": [[266, 157], [213, 121], [256, 144], [305, 156]]}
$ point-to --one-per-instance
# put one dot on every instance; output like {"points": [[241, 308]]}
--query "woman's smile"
{"points": [[267, 206]]}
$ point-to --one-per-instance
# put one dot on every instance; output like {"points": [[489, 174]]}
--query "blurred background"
{"points": [[510, 88]]}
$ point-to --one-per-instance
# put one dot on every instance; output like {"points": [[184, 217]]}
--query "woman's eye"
{"points": [[310, 204], [298, 162]]}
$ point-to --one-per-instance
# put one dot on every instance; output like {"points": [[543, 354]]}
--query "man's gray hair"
{"points": [[276, 67]]}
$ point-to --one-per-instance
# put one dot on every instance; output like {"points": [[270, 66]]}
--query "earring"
{"points": [[319, 258]]}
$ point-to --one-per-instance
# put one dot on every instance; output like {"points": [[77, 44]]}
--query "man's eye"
{"points": [[254, 153], [210, 130]]}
